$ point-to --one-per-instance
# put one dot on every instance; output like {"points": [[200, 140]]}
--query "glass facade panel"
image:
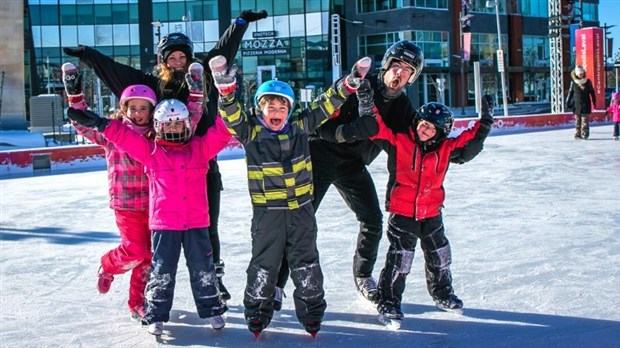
{"points": [[103, 14], [86, 35], [68, 15], [298, 25], [280, 8], [85, 14], [296, 6], [281, 26], [313, 24], [534, 8], [431, 3], [103, 36], [69, 35], [120, 14], [49, 15]]}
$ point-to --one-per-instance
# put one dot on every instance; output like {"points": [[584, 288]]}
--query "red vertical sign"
{"points": [[589, 54]]}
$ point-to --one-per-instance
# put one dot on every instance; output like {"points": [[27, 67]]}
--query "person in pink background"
{"points": [[614, 110]]}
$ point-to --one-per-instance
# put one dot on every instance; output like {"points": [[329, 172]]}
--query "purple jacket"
{"points": [[177, 185]]}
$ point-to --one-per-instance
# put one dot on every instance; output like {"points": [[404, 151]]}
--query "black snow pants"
{"points": [[275, 234], [359, 193], [403, 233]]}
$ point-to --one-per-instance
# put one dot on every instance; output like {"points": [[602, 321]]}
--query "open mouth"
{"points": [[394, 83], [275, 122]]}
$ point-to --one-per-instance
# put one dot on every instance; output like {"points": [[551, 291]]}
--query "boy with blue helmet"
{"points": [[280, 184]]}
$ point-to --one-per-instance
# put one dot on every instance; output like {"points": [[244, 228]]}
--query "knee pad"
{"points": [[402, 260], [440, 258]]}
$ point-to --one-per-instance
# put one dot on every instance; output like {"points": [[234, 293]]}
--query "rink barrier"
{"points": [[71, 157], [67, 158]]}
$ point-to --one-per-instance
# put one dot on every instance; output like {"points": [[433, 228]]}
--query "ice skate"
{"points": [[156, 328], [367, 287], [256, 326], [616, 138], [451, 304], [137, 314], [217, 322], [312, 327], [105, 281], [390, 317], [277, 299]]}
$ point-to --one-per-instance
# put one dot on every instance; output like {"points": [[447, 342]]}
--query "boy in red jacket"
{"points": [[417, 163]]}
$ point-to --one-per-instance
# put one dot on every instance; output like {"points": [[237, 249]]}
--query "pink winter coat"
{"points": [[614, 110], [128, 184], [177, 174]]}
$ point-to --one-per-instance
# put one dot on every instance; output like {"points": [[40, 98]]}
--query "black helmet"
{"points": [[407, 52], [440, 116], [175, 42]]}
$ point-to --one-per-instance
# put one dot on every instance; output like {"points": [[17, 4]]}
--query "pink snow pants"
{"points": [[134, 253]]}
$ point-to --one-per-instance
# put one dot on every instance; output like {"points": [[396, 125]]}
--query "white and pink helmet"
{"points": [[137, 92]]}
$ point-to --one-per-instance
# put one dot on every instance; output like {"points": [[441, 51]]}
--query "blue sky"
{"points": [[609, 13]]}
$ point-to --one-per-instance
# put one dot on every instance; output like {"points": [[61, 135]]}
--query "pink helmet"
{"points": [[137, 92], [615, 96]]}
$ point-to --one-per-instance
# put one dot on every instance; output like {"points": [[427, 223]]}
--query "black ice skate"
{"points": [[367, 287], [451, 304], [312, 327]]}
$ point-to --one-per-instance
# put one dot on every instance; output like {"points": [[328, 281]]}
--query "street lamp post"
{"points": [[500, 54]]}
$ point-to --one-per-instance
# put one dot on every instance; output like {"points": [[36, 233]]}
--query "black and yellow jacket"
{"points": [[278, 163]]}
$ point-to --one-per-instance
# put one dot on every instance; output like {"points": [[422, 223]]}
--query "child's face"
{"points": [[177, 60], [425, 130], [176, 127], [139, 111], [275, 113]]}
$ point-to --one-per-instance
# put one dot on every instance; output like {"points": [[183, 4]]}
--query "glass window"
{"points": [[266, 5], [133, 13], [534, 8], [103, 14], [50, 36], [298, 25], [103, 35], [481, 6], [280, 8], [281, 26], [434, 44], [68, 15], [86, 35], [49, 15], [536, 51], [377, 5], [296, 6], [120, 14], [69, 35], [313, 6], [431, 3], [590, 12], [121, 34], [160, 12], [85, 14], [314, 22], [176, 11]]}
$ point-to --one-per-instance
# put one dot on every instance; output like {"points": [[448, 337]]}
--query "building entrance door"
{"points": [[265, 73]]}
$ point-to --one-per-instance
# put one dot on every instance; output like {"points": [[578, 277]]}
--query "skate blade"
{"points": [[457, 311], [392, 324]]}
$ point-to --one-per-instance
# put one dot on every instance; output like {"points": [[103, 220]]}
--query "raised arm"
{"points": [[115, 75]]}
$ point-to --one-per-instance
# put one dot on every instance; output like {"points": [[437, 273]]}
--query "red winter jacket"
{"points": [[415, 187]]}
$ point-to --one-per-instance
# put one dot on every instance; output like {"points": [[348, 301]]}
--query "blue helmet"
{"points": [[279, 88]]}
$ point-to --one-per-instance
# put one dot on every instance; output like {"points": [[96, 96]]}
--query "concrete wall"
{"points": [[13, 102]]}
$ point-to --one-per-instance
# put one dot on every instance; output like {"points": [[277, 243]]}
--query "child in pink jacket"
{"points": [[128, 189], [614, 110], [176, 164]]}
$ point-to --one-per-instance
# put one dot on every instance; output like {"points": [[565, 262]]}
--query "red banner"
{"points": [[589, 54]]}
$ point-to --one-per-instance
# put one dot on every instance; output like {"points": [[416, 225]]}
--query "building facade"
{"points": [[295, 43]]}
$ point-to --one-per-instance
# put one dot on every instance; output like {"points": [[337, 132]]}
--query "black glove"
{"points": [[251, 16], [486, 109], [74, 52], [88, 119], [365, 98]]}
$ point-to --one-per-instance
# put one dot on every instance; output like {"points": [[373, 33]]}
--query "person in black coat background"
{"points": [[581, 98]]}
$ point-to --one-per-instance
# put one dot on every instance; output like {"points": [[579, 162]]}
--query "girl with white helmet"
{"points": [[128, 189], [176, 164]]}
